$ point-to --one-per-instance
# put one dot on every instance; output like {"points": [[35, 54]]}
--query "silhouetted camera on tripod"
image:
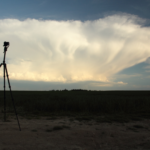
{"points": [[6, 44]]}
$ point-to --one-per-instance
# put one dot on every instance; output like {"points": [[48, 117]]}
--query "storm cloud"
{"points": [[73, 51]]}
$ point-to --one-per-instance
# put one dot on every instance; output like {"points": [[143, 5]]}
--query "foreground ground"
{"points": [[63, 133]]}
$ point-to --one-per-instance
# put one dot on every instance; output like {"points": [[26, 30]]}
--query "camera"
{"points": [[6, 43]]}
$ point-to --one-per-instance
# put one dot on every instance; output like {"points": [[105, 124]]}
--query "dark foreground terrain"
{"points": [[79, 101], [68, 133], [76, 120]]}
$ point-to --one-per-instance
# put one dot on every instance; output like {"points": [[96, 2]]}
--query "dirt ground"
{"points": [[68, 134]]}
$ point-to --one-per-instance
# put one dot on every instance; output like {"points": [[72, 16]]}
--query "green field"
{"points": [[79, 102]]}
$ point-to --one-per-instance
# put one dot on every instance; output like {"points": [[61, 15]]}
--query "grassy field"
{"points": [[79, 102]]}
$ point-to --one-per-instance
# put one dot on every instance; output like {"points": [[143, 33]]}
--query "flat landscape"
{"points": [[76, 120]]}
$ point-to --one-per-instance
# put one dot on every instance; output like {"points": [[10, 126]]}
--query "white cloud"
{"points": [[147, 60], [70, 51], [122, 83], [147, 67]]}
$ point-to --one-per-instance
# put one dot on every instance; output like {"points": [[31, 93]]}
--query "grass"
{"points": [[34, 130], [48, 130], [132, 129], [66, 127], [51, 118], [55, 128], [118, 106], [84, 118], [135, 127], [138, 126]]}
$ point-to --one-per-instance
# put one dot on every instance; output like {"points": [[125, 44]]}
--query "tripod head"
{"points": [[6, 45]]}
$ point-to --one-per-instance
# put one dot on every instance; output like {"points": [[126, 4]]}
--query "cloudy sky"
{"points": [[76, 44]]}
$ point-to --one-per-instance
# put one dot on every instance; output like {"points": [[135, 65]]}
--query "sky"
{"points": [[76, 44]]}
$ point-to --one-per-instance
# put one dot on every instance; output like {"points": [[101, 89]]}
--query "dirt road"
{"points": [[68, 134]]}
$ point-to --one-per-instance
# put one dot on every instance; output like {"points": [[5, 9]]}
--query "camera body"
{"points": [[6, 44]]}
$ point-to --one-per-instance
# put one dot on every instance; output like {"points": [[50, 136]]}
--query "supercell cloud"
{"points": [[72, 51]]}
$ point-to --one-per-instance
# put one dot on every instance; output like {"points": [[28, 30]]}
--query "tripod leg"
{"points": [[12, 96], [4, 95]]}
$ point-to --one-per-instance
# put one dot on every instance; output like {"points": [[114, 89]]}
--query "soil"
{"points": [[64, 133]]}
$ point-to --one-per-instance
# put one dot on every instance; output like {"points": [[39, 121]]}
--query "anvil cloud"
{"points": [[72, 51]]}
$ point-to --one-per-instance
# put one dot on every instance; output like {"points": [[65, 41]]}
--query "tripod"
{"points": [[6, 45]]}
